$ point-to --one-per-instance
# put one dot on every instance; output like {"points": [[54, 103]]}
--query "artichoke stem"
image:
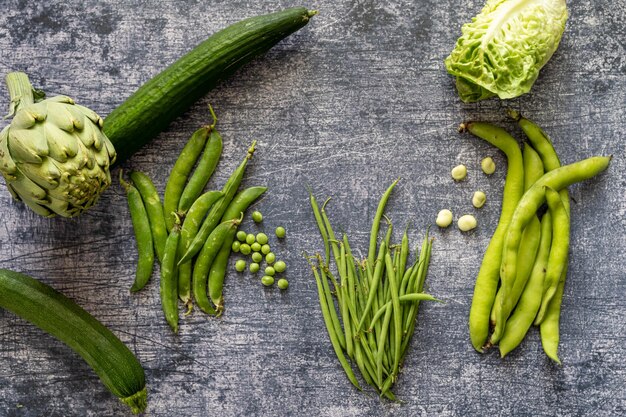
{"points": [[20, 90]]}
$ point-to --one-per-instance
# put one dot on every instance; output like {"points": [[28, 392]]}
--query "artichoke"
{"points": [[54, 155]]}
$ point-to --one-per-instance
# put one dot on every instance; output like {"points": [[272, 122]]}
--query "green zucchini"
{"points": [[56, 314], [166, 96]]}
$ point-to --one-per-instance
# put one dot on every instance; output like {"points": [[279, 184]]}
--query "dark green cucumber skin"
{"points": [[166, 96], [59, 316]]}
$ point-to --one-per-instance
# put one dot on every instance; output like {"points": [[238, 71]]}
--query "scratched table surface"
{"points": [[354, 100]]}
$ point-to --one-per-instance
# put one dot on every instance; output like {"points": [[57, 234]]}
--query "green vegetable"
{"points": [[267, 281], [168, 285], [283, 284], [262, 238], [143, 236], [245, 249], [59, 316], [54, 156], [270, 271], [270, 258], [254, 267], [256, 247], [235, 246], [154, 208], [240, 265], [265, 249], [280, 232], [257, 216], [166, 96], [280, 266], [257, 257], [503, 48], [241, 236], [250, 239]]}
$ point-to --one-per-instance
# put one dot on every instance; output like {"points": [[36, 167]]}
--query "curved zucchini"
{"points": [[159, 101], [56, 314]]}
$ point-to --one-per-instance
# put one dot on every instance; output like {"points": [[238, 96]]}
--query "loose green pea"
{"points": [[270, 271], [262, 238], [283, 284], [270, 258], [267, 281], [256, 247], [254, 267], [257, 217], [280, 266], [245, 249], [250, 239], [240, 265], [265, 249], [241, 236], [280, 232], [236, 246], [257, 257]]}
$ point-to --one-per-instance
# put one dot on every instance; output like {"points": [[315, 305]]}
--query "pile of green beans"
{"points": [[191, 232], [377, 299], [523, 272]]}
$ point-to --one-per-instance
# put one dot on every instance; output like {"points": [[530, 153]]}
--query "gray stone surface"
{"points": [[354, 100]]}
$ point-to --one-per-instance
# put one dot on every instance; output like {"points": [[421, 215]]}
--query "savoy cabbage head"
{"points": [[503, 48]]}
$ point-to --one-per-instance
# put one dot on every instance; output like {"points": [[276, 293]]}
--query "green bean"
{"points": [[397, 314], [217, 211], [378, 315], [526, 310], [371, 255], [377, 277], [154, 208], [558, 251], [416, 280], [549, 327], [533, 198], [205, 168], [201, 268], [325, 273], [351, 270], [168, 285], [181, 170], [533, 170], [404, 254], [334, 339], [321, 227], [143, 235], [417, 296], [217, 273], [345, 314], [381, 347], [192, 222], [360, 363], [488, 275]]}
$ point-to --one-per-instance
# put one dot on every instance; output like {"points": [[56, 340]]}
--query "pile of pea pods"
{"points": [[522, 276], [192, 231], [377, 299]]}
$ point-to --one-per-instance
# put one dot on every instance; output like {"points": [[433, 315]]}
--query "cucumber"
{"points": [[166, 96], [56, 314]]}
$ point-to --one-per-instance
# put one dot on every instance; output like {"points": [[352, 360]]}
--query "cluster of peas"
{"points": [[258, 248]]}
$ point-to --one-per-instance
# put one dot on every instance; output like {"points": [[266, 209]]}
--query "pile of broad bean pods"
{"points": [[523, 272]]}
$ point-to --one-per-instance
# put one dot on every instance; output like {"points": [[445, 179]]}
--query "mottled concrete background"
{"points": [[354, 100]]}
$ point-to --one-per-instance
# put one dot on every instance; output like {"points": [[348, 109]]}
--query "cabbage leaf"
{"points": [[501, 51]]}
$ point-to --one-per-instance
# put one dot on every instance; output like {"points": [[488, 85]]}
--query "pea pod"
{"points": [[201, 267], [180, 172], [488, 275], [217, 273], [190, 227], [549, 327], [526, 310], [205, 168], [217, 211], [169, 284], [143, 235], [154, 208], [533, 170]]}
